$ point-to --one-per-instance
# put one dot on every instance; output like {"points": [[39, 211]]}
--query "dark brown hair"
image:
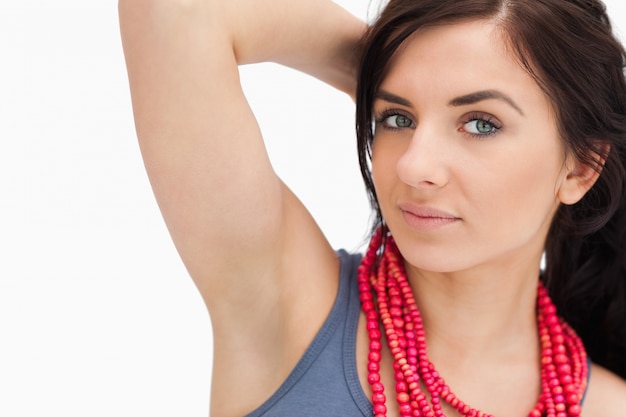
{"points": [[568, 47]]}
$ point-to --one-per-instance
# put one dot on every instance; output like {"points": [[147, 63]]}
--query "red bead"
{"points": [[395, 311], [378, 398], [403, 398], [572, 399], [375, 334], [372, 325], [574, 410], [373, 377], [552, 322], [377, 387], [546, 360], [376, 346], [405, 410], [560, 359]]}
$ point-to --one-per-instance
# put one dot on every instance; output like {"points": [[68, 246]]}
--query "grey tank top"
{"points": [[325, 380]]}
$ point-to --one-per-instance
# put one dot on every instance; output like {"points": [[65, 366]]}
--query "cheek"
{"points": [[385, 156], [382, 165], [523, 189]]}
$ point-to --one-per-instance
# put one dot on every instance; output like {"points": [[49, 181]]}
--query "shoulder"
{"points": [[606, 395]]}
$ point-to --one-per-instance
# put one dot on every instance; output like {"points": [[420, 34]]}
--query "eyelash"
{"points": [[481, 117], [380, 118]]}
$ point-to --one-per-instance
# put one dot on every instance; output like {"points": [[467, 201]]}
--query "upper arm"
{"points": [[200, 142]]}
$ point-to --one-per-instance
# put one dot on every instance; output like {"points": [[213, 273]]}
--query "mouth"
{"points": [[425, 218]]}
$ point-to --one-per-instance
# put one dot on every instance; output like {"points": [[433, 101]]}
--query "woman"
{"points": [[496, 131]]}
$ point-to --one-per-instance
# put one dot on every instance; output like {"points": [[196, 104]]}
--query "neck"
{"points": [[487, 312]]}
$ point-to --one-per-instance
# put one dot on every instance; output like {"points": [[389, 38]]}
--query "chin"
{"points": [[427, 258]]}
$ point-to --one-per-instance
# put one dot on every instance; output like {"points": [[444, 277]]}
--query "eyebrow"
{"points": [[464, 100], [479, 96], [392, 98]]}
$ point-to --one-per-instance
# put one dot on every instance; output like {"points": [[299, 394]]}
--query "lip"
{"points": [[425, 218]]}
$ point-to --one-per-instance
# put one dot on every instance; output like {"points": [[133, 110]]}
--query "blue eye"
{"points": [[398, 121], [394, 121], [479, 127]]}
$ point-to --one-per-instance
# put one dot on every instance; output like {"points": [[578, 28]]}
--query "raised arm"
{"points": [[201, 145], [244, 238]]}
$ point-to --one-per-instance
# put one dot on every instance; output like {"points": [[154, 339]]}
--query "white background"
{"points": [[97, 314]]}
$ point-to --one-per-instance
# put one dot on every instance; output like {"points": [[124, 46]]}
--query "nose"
{"points": [[423, 163]]}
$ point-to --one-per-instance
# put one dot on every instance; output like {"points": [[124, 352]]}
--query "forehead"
{"points": [[456, 59]]}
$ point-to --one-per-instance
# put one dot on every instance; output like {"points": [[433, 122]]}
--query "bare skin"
{"points": [[265, 271]]}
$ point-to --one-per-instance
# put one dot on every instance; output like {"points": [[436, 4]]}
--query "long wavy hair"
{"points": [[568, 47]]}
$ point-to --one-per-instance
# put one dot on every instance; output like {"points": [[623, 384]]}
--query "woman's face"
{"points": [[467, 161]]}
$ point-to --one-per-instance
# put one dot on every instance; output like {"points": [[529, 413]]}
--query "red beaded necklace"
{"points": [[386, 297]]}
